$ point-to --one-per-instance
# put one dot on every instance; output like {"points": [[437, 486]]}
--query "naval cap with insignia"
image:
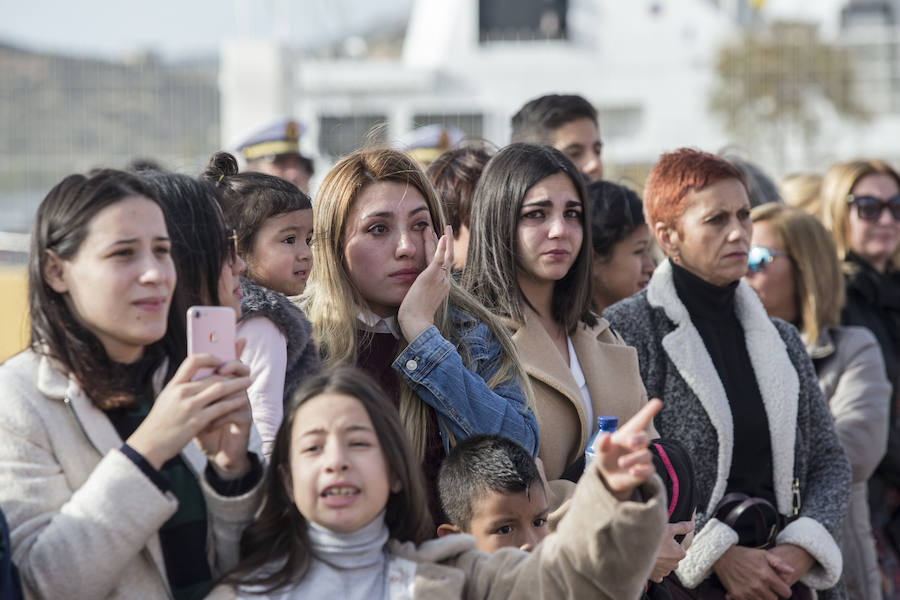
{"points": [[426, 143], [276, 138]]}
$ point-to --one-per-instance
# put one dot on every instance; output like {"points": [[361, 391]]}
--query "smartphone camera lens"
{"points": [[197, 314]]}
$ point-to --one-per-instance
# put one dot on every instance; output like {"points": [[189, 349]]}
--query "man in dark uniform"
{"points": [[275, 149], [426, 143]]}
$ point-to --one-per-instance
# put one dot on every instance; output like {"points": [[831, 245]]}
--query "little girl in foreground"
{"points": [[345, 515]]}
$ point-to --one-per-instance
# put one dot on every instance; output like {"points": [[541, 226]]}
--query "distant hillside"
{"points": [[61, 114]]}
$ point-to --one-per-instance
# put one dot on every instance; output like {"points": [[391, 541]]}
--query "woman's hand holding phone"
{"points": [[187, 409], [224, 440]]}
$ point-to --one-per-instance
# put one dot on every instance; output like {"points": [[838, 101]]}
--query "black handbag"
{"points": [[755, 520]]}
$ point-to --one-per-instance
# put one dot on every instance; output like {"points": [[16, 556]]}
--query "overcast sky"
{"points": [[180, 28]]}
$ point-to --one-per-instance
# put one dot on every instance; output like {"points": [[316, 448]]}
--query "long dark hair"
{"points": [[200, 245], [278, 539], [492, 263], [61, 226], [251, 198]]}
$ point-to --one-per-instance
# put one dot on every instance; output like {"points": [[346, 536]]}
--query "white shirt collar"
{"points": [[372, 322]]}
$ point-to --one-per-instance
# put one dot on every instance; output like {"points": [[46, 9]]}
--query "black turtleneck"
{"points": [[711, 308], [873, 302]]}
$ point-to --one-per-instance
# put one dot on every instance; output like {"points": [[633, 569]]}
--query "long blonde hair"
{"points": [[836, 186], [332, 302], [818, 284]]}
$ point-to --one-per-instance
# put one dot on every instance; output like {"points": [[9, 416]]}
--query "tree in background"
{"points": [[775, 84]]}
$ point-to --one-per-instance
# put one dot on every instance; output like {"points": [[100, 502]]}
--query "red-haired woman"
{"points": [[741, 394]]}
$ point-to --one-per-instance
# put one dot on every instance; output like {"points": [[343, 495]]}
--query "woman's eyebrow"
{"points": [[544, 202]]}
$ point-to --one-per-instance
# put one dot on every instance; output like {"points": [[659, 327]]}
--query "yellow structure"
{"points": [[13, 310]]}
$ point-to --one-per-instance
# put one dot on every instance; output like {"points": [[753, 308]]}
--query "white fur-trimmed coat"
{"points": [[676, 367]]}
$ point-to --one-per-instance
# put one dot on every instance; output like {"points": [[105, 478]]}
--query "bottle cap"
{"points": [[607, 423]]}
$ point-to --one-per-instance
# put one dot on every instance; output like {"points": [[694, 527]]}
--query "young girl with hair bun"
{"points": [[272, 219], [345, 516]]}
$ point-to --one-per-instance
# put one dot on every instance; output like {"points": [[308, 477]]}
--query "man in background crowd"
{"points": [[566, 122]]}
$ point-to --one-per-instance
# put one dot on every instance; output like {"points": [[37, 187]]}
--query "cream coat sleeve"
{"points": [[602, 548]]}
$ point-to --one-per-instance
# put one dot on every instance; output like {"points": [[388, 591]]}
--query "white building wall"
{"points": [[653, 67], [256, 81]]}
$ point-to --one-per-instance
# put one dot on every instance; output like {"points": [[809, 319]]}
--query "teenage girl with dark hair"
{"points": [[105, 494], [529, 234]]}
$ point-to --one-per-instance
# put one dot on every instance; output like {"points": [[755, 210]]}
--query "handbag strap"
{"points": [[740, 503]]}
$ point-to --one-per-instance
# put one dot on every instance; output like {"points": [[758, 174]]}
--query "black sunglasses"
{"points": [[231, 244], [760, 256], [869, 208]]}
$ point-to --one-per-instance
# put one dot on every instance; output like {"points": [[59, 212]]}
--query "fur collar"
{"points": [[778, 382]]}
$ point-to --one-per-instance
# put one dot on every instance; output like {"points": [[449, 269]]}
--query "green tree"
{"points": [[772, 81]]}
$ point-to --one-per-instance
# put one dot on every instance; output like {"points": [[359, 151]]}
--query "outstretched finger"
{"points": [[641, 418]]}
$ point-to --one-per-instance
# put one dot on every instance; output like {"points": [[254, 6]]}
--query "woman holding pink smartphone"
{"points": [[105, 494]]}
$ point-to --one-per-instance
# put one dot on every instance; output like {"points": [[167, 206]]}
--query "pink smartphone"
{"points": [[211, 330]]}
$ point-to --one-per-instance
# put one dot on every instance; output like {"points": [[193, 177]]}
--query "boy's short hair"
{"points": [[479, 465], [539, 118]]}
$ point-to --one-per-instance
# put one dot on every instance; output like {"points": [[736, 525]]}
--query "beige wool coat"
{"points": [[83, 518], [611, 373]]}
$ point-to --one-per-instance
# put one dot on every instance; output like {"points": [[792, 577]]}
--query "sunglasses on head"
{"points": [[869, 208], [759, 257], [231, 244]]}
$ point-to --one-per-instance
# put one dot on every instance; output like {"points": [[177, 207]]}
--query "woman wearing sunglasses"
{"points": [[861, 202], [795, 271], [740, 393]]}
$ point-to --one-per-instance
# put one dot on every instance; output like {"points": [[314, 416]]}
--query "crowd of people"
{"points": [[427, 363]]}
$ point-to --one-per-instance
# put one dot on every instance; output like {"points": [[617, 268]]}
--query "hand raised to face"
{"points": [[417, 310]]}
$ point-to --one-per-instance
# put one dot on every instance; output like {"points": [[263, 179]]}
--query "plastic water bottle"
{"points": [[605, 424]]}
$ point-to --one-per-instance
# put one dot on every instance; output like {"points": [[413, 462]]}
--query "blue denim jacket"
{"points": [[433, 368]]}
